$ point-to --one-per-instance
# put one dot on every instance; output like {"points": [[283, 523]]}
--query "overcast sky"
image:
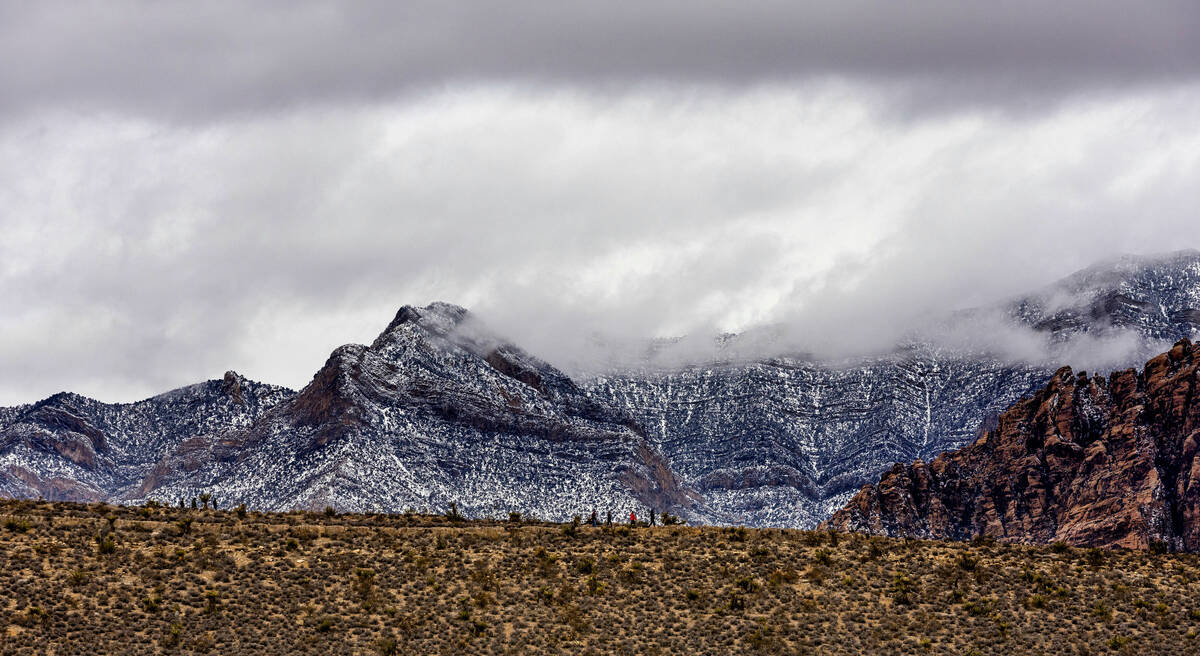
{"points": [[194, 187]]}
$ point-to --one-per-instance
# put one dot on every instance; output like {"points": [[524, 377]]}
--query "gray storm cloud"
{"points": [[205, 59], [193, 188]]}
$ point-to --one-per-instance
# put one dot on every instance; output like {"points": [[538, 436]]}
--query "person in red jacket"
{"points": [[632, 517]]}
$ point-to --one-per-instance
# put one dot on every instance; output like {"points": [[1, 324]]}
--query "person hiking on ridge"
{"points": [[632, 518]]}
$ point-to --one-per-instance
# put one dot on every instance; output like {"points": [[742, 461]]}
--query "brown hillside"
{"points": [[102, 580]]}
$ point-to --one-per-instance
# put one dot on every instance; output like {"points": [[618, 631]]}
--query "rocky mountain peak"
{"points": [[231, 386], [438, 318]]}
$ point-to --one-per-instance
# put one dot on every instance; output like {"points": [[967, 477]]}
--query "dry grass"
{"points": [[93, 579]]}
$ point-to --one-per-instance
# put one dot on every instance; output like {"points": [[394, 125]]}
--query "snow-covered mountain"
{"points": [[1155, 297], [438, 410], [784, 442], [435, 411], [787, 441], [70, 447]]}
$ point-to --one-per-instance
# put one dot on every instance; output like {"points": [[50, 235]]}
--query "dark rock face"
{"points": [[1087, 461], [435, 411]]}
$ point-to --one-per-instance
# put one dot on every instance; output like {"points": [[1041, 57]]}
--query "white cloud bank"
{"points": [[141, 254]]}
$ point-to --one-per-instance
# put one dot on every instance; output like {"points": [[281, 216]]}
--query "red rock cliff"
{"points": [[1087, 461]]}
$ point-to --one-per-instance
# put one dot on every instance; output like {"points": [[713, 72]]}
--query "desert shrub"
{"points": [[547, 562], [212, 601], [737, 602], [780, 576], [633, 573], [387, 646], [1118, 641], [106, 544], [979, 607], [16, 525], [174, 635], [484, 577], [746, 583], [306, 533], [823, 557], [761, 639], [967, 562], [983, 541], [902, 590]]}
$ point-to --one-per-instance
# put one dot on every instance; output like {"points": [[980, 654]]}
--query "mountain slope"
{"points": [[786, 441], [783, 442], [1156, 297], [435, 411], [71, 447], [1086, 461]]}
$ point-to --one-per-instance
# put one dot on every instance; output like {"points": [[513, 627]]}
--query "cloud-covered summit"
{"points": [[196, 187]]}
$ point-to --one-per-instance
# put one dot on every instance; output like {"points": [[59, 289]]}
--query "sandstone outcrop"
{"points": [[1090, 461]]}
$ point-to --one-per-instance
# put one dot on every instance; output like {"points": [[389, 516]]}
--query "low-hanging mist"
{"points": [[191, 188], [140, 256]]}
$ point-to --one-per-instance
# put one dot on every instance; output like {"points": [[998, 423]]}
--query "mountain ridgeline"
{"points": [[435, 411], [438, 410]]}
